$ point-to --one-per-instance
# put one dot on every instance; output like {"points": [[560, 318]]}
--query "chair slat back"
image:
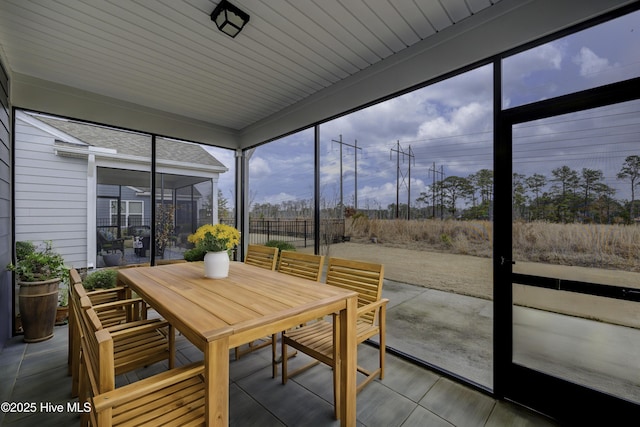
{"points": [[108, 295], [75, 333], [74, 276], [362, 277], [98, 347], [307, 266], [97, 363], [79, 302], [262, 256], [79, 290]]}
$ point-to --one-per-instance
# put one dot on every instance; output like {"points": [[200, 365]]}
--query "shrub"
{"points": [[105, 279], [281, 245], [195, 254], [360, 215]]}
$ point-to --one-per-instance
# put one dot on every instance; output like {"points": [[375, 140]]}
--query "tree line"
{"points": [[566, 196]]}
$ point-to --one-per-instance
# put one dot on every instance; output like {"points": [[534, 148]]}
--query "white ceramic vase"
{"points": [[216, 265]]}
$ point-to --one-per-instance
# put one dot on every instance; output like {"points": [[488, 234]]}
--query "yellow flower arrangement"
{"points": [[215, 238]]}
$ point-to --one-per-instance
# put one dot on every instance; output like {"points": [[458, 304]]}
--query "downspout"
{"points": [[92, 200]]}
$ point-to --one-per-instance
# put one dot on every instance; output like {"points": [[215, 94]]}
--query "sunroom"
{"points": [[479, 149]]}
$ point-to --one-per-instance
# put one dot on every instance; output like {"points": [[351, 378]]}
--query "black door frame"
{"points": [[565, 401]]}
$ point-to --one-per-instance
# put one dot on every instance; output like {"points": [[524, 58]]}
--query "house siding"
{"points": [[50, 195], [6, 287]]}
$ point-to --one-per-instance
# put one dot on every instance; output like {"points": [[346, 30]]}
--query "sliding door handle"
{"points": [[504, 261]]}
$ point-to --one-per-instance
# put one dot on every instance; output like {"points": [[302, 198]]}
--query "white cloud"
{"points": [[545, 57], [384, 193], [470, 118], [275, 199], [590, 64], [259, 167]]}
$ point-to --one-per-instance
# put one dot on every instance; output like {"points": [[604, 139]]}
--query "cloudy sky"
{"points": [[448, 128]]}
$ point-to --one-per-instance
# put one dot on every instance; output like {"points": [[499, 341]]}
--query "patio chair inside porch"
{"points": [[108, 242]]}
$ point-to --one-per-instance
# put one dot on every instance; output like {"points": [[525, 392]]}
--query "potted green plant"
{"points": [[39, 272]]}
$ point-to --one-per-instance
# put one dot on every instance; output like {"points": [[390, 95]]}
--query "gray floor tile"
{"points": [[421, 417], [244, 410], [461, 406], [380, 406], [293, 404], [509, 414], [408, 379]]}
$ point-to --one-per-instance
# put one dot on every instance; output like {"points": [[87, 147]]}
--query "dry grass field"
{"points": [[614, 247]]}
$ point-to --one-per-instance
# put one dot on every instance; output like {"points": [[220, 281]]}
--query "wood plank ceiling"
{"points": [[168, 54]]}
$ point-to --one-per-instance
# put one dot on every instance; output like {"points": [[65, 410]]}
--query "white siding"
{"points": [[6, 278], [51, 195]]}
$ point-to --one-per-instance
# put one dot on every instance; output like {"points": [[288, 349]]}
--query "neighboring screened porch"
{"points": [[124, 212]]}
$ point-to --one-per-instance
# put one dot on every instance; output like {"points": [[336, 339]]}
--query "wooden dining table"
{"points": [[220, 314]]}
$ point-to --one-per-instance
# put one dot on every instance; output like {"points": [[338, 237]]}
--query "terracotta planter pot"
{"points": [[38, 302], [62, 315]]}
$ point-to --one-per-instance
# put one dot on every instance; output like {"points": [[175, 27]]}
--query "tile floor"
{"points": [[36, 374]]}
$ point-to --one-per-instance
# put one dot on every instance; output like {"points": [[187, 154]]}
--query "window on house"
{"points": [[131, 212]]}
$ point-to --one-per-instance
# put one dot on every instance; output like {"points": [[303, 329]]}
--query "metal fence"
{"points": [[298, 232]]}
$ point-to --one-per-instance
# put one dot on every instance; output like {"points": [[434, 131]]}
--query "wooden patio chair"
{"points": [[140, 341], [318, 339], [307, 266], [117, 315], [106, 241], [135, 344], [263, 257], [174, 397], [99, 296]]}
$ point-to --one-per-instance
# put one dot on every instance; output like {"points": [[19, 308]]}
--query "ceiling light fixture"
{"points": [[228, 18]]}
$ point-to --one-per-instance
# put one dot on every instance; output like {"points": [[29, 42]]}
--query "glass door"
{"points": [[574, 264]]}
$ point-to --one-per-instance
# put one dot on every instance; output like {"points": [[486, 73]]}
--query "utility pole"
{"points": [[442, 193], [356, 148], [433, 187], [355, 171], [397, 150], [341, 202], [409, 153]]}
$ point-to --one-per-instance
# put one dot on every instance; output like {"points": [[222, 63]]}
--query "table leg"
{"points": [[348, 363], [216, 377]]}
